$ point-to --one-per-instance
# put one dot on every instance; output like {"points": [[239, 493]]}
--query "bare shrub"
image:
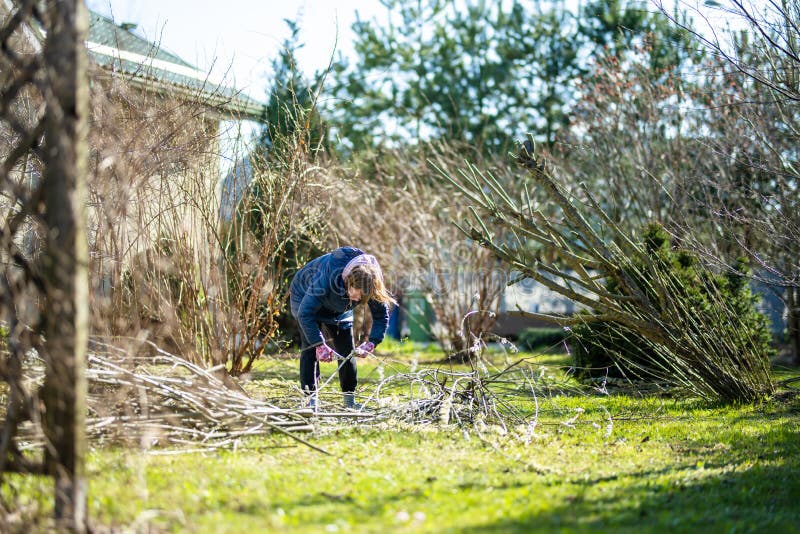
{"points": [[633, 138], [713, 159], [757, 127], [166, 265], [273, 230], [395, 209], [602, 267], [753, 200], [153, 213]]}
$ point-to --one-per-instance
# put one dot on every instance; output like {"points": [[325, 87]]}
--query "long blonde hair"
{"points": [[369, 279]]}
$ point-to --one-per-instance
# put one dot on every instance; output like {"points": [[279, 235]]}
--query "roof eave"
{"points": [[227, 107]]}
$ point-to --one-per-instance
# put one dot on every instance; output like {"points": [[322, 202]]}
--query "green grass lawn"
{"points": [[615, 463]]}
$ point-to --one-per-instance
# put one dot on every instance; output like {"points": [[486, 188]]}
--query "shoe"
{"points": [[312, 402], [350, 402]]}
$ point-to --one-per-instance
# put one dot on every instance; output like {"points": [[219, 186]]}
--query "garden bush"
{"points": [[605, 347]]}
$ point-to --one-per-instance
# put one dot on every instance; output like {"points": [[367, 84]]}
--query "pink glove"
{"points": [[325, 353], [365, 349]]}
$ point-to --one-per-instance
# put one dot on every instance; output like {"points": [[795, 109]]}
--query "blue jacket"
{"points": [[318, 295]]}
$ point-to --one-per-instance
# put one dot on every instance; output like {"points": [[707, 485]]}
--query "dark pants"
{"points": [[340, 340]]}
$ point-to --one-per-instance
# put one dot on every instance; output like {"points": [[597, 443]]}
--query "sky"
{"points": [[236, 40]]}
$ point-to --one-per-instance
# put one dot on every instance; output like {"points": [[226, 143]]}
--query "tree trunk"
{"points": [[793, 321], [65, 262]]}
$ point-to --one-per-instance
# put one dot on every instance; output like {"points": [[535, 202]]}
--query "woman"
{"points": [[322, 297]]}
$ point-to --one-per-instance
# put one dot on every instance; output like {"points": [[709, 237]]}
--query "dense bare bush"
{"points": [[166, 265], [631, 138], [153, 212], [396, 209], [709, 157], [602, 267], [753, 203], [274, 230], [756, 108]]}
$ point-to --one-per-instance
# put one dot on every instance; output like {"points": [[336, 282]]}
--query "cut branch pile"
{"points": [[506, 398], [163, 399], [195, 407], [433, 396]]}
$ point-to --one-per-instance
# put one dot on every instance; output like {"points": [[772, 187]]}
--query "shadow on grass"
{"points": [[758, 499], [757, 491]]}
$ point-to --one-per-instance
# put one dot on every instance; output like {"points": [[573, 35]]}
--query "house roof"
{"points": [[116, 48]]}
